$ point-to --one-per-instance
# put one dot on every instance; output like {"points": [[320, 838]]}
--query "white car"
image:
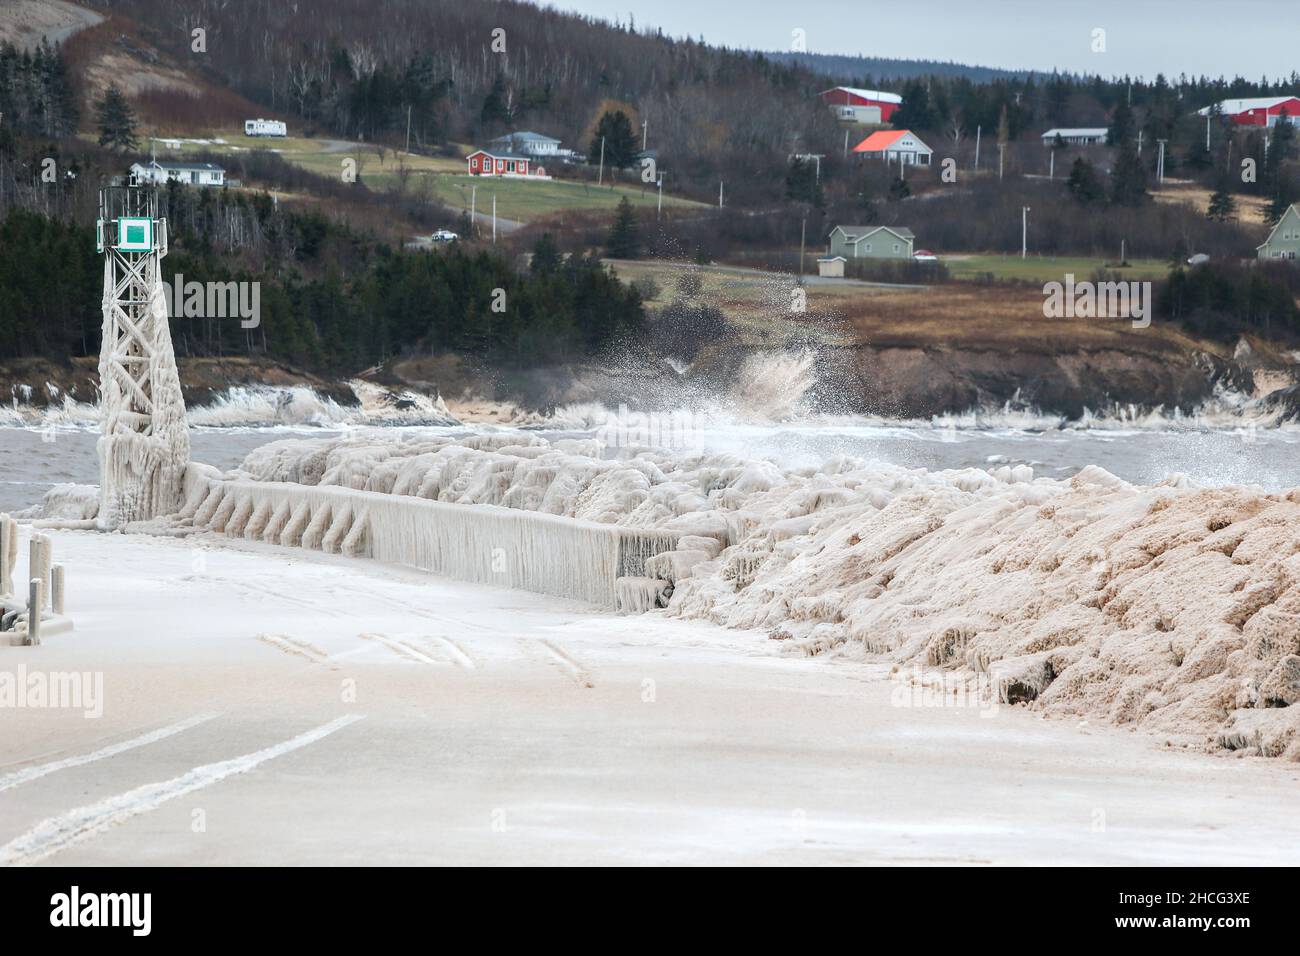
{"points": [[444, 235]]}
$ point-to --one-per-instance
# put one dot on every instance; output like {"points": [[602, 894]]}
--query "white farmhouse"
{"points": [[191, 174]]}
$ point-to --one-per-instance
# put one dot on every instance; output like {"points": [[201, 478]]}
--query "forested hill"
{"points": [[870, 70], [465, 70]]}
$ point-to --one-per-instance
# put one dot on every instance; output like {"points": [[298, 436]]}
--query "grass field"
{"points": [[444, 177], [955, 315], [1049, 268], [526, 200]]}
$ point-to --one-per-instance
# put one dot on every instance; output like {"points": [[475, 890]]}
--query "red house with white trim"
{"points": [[484, 162], [1259, 110], [865, 107]]}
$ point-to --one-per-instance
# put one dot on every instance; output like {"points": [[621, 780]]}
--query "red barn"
{"points": [[852, 105], [1258, 111]]}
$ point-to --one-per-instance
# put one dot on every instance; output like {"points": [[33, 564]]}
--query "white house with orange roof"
{"points": [[895, 145]]}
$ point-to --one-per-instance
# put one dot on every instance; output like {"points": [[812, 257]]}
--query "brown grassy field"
{"points": [[952, 316], [1250, 209]]}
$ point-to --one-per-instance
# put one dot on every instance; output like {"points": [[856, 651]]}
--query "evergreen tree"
{"points": [[546, 255], [621, 146], [801, 184], [899, 189], [1083, 183], [624, 240], [496, 106], [1277, 185], [116, 121], [1128, 180], [1122, 125], [1222, 208], [917, 110]]}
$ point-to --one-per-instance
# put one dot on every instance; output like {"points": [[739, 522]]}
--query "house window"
{"points": [[897, 247], [510, 166], [867, 247]]}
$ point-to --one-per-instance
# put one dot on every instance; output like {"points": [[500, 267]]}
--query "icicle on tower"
{"points": [[145, 445]]}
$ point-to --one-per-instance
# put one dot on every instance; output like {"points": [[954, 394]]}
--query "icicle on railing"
{"points": [[488, 544]]}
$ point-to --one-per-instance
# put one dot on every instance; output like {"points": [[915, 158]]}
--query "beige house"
{"points": [[871, 242], [1284, 241]]}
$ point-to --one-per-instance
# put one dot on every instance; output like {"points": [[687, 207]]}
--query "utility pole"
{"points": [[408, 129], [1139, 142], [494, 219], [1051, 166], [660, 208], [601, 178], [720, 183], [1207, 132], [473, 218], [1002, 148], [977, 147], [645, 134], [803, 236], [1024, 231], [1160, 163], [846, 144]]}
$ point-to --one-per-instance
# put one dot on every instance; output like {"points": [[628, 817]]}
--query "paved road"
{"points": [[263, 706]]}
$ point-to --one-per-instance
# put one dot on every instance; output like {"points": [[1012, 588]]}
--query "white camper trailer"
{"points": [[265, 127]]}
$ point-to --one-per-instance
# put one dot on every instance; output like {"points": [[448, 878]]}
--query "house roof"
{"points": [[1064, 132], [1293, 208], [882, 139], [501, 154], [1250, 103], [161, 164], [525, 136], [854, 233], [878, 95]]}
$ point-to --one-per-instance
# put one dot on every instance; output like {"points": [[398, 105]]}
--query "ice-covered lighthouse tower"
{"points": [[145, 445]]}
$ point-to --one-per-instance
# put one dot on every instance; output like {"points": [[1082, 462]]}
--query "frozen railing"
{"points": [[488, 544]]}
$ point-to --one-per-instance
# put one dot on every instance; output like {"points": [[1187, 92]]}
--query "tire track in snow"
{"points": [[457, 653], [298, 648], [568, 664], [402, 648], [56, 834], [28, 774]]}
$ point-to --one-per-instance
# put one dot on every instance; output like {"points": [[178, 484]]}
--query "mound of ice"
{"points": [[66, 502], [1170, 607]]}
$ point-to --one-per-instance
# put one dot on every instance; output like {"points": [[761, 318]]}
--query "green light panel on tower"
{"points": [[134, 234]]}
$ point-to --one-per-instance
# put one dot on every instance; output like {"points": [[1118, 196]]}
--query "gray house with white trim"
{"points": [[528, 143], [871, 242]]}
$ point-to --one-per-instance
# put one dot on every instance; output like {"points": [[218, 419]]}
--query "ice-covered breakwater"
{"points": [[1172, 607], [489, 544]]}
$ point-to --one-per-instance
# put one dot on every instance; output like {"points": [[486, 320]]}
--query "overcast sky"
{"points": [[1142, 37]]}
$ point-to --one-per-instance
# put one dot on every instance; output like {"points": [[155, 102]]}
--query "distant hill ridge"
{"points": [[838, 66]]}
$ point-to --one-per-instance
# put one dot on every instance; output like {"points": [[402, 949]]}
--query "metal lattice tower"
{"points": [[145, 446]]}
